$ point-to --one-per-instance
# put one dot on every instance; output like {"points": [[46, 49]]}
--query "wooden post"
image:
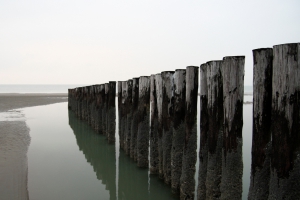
{"points": [[285, 128], [97, 107], [91, 106], [203, 153], [215, 129], [187, 180], [167, 118], [233, 95], [120, 110], [261, 127], [101, 120], [134, 122], [153, 127], [144, 120], [111, 112], [104, 109], [178, 128], [123, 118], [158, 91], [80, 102], [128, 111]]}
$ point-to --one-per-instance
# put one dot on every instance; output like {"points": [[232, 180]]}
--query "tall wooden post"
{"points": [[261, 127], [159, 95], [153, 127], [111, 112], [285, 128], [104, 110], [215, 129], [120, 110], [233, 95], [187, 181], [123, 118], [178, 128], [128, 111], [203, 153], [144, 122], [135, 119], [167, 118]]}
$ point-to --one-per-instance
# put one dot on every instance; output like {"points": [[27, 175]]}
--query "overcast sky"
{"points": [[93, 42]]}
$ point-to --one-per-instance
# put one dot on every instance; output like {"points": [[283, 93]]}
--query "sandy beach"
{"points": [[15, 140]]}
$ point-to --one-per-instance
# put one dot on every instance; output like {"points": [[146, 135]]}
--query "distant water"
{"points": [[37, 88], [40, 88]]}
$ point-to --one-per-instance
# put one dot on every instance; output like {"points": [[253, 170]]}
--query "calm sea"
{"points": [[37, 88]]}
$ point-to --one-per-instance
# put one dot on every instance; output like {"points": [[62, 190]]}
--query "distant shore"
{"points": [[9, 101]]}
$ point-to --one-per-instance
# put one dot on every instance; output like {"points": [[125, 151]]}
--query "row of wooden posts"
{"points": [[161, 111]]}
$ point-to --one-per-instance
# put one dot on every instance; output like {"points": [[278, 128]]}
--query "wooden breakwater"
{"points": [[158, 120]]}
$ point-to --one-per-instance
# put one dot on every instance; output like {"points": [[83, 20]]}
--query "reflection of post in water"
{"points": [[187, 180], [261, 139], [233, 95], [133, 181], [285, 127], [134, 122], [143, 122], [97, 152], [178, 128]]}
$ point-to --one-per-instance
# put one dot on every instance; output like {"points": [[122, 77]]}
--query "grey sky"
{"points": [[91, 42]]}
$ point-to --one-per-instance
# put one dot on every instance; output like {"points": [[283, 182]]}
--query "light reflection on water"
{"points": [[68, 160]]}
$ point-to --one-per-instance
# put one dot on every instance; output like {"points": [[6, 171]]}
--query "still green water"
{"points": [[68, 160]]}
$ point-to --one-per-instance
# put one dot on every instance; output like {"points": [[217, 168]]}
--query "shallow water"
{"points": [[68, 160]]}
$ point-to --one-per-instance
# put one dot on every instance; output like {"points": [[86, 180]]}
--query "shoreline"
{"points": [[10, 101]]}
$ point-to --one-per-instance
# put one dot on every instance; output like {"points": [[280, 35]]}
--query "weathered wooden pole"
{"points": [[91, 106], [261, 126], [233, 95], [128, 111], [187, 180], [100, 109], [204, 126], [285, 128], [79, 102], [153, 127], [178, 128], [84, 103], [134, 121], [119, 110], [215, 129], [104, 110], [123, 118], [111, 112], [159, 95], [144, 122], [97, 107], [167, 118]]}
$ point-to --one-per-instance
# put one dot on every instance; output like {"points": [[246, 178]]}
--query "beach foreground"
{"points": [[15, 140]]}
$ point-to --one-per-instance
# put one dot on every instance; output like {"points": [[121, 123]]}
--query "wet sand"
{"points": [[9, 101], [15, 140]]}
